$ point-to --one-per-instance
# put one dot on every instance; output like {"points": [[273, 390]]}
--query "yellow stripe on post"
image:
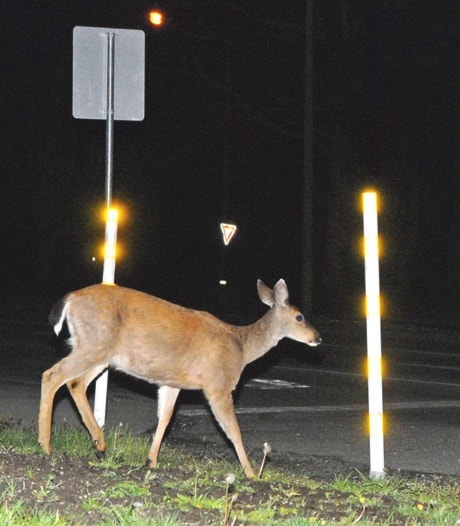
{"points": [[374, 346], [110, 247]]}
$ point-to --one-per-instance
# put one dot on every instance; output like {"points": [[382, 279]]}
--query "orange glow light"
{"points": [[155, 17], [117, 212]]}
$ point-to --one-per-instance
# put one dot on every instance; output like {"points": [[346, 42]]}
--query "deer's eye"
{"points": [[299, 317]]}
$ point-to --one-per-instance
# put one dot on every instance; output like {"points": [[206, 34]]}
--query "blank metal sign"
{"points": [[90, 59]]}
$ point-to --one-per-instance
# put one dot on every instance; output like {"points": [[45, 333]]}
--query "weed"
{"points": [[266, 450], [45, 493], [17, 513], [229, 502], [10, 490]]}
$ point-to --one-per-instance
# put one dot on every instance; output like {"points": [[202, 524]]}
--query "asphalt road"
{"points": [[303, 402]]}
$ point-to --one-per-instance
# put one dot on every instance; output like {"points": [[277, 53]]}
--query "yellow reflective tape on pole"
{"points": [[110, 248]]}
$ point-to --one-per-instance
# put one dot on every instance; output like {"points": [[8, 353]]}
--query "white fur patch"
{"points": [[58, 326]]}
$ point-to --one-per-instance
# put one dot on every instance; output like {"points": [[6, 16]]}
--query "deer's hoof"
{"points": [[250, 473], [150, 464], [46, 449]]}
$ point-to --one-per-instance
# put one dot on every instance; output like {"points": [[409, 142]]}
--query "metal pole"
{"points": [[108, 276], [109, 118], [307, 208]]}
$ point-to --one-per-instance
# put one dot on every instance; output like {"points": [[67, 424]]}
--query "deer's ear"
{"points": [[265, 293], [281, 293]]}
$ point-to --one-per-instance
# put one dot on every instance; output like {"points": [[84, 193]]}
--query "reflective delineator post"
{"points": [[108, 278], [108, 275], [374, 347]]}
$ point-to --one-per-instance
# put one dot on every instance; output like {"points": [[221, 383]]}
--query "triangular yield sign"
{"points": [[228, 231]]}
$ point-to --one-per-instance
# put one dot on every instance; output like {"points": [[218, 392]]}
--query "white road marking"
{"points": [[437, 404], [262, 383], [385, 378]]}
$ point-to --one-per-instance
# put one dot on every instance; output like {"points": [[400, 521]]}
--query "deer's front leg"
{"points": [[222, 407], [167, 397]]}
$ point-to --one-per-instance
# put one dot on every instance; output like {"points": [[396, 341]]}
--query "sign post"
{"points": [[108, 83]]}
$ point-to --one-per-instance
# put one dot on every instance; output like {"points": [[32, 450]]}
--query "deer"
{"points": [[165, 344]]}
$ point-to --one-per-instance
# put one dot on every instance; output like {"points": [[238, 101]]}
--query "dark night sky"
{"points": [[223, 140]]}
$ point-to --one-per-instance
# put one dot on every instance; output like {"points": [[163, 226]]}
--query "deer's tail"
{"points": [[58, 314]]}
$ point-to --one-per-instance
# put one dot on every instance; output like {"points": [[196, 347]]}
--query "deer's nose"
{"points": [[315, 341]]}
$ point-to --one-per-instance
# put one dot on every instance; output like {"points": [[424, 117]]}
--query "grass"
{"points": [[73, 488]]}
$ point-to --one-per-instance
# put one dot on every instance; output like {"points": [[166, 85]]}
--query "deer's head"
{"points": [[290, 322]]}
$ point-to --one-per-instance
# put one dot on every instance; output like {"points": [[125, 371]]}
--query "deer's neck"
{"points": [[257, 339]]}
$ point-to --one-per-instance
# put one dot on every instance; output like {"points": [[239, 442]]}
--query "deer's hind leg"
{"points": [[52, 379], [77, 388]]}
